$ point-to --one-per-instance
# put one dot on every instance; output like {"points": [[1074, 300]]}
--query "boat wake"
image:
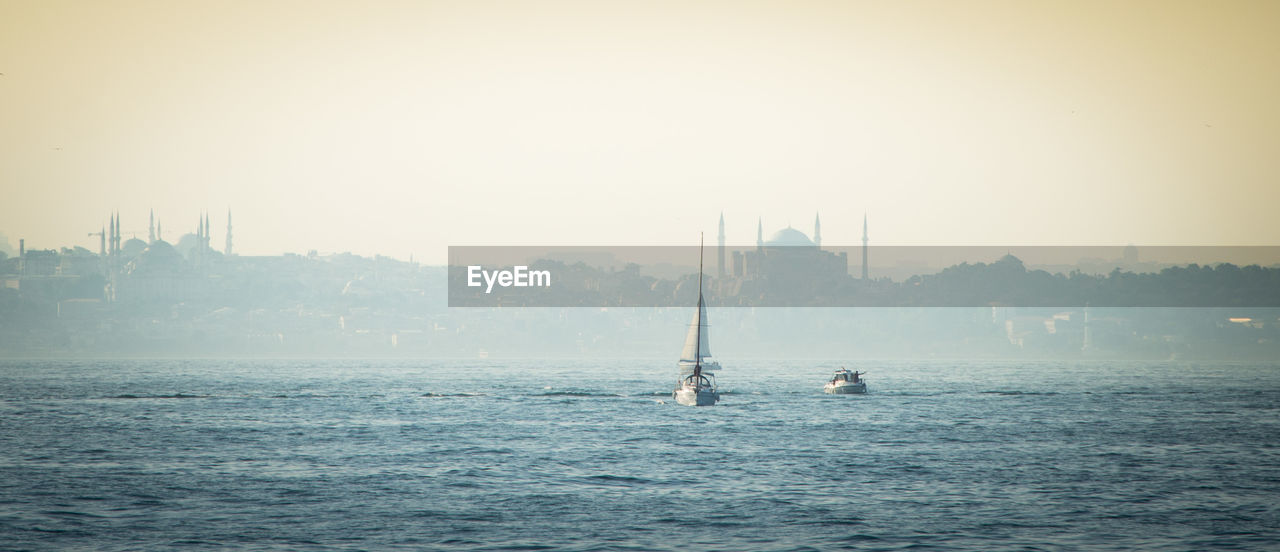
{"points": [[576, 393]]}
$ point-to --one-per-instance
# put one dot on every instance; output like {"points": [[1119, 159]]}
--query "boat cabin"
{"points": [[697, 380], [845, 375]]}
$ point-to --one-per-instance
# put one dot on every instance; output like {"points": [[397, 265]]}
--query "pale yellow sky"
{"points": [[405, 127]]}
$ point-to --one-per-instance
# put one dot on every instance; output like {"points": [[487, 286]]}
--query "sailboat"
{"points": [[697, 384]]}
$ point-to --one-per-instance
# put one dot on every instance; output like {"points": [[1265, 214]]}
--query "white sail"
{"points": [[697, 332]]}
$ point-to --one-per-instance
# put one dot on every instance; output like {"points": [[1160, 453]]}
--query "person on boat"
{"points": [[855, 376]]}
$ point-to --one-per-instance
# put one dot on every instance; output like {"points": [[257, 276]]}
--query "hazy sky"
{"points": [[405, 127]]}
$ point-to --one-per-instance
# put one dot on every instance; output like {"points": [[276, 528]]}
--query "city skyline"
{"points": [[403, 128]]}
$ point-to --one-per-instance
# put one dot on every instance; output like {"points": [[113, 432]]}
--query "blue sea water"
{"points": [[593, 455]]}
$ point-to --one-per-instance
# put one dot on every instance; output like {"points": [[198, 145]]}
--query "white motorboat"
{"points": [[845, 382], [697, 384]]}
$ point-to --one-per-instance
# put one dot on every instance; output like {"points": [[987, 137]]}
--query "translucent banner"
{"points": [[879, 276]]}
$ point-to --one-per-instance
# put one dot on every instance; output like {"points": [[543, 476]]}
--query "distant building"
{"points": [[79, 261], [159, 273], [789, 256], [36, 262], [149, 270]]}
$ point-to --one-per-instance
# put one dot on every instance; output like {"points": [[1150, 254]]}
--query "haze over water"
{"points": [[592, 455], [400, 130]]}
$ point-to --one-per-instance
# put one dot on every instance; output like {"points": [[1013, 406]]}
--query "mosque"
{"points": [[787, 256], [155, 268]]}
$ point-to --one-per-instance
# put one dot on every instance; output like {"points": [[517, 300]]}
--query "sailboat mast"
{"points": [[697, 348]]}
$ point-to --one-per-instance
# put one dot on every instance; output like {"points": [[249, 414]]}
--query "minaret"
{"points": [[151, 228], [159, 235], [817, 231], [227, 251], [760, 233], [197, 254], [201, 240], [113, 245], [720, 251], [864, 246], [115, 236], [102, 243]]}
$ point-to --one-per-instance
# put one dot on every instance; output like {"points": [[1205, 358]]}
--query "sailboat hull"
{"points": [[695, 397]]}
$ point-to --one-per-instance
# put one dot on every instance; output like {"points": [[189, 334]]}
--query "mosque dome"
{"points": [[186, 244], [189, 247], [158, 259], [789, 237], [133, 247]]}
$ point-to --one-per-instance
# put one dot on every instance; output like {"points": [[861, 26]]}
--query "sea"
{"points": [[591, 454]]}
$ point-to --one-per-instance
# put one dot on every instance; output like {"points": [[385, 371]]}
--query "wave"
{"points": [[572, 393], [69, 514], [170, 396], [617, 480], [454, 395]]}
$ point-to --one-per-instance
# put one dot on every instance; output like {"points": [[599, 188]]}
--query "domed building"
{"points": [[158, 259], [789, 237], [133, 248], [155, 269], [187, 244], [159, 273], [788, 257]]}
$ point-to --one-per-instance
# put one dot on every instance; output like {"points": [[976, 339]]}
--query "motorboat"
{"points": [[845, 382]]}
